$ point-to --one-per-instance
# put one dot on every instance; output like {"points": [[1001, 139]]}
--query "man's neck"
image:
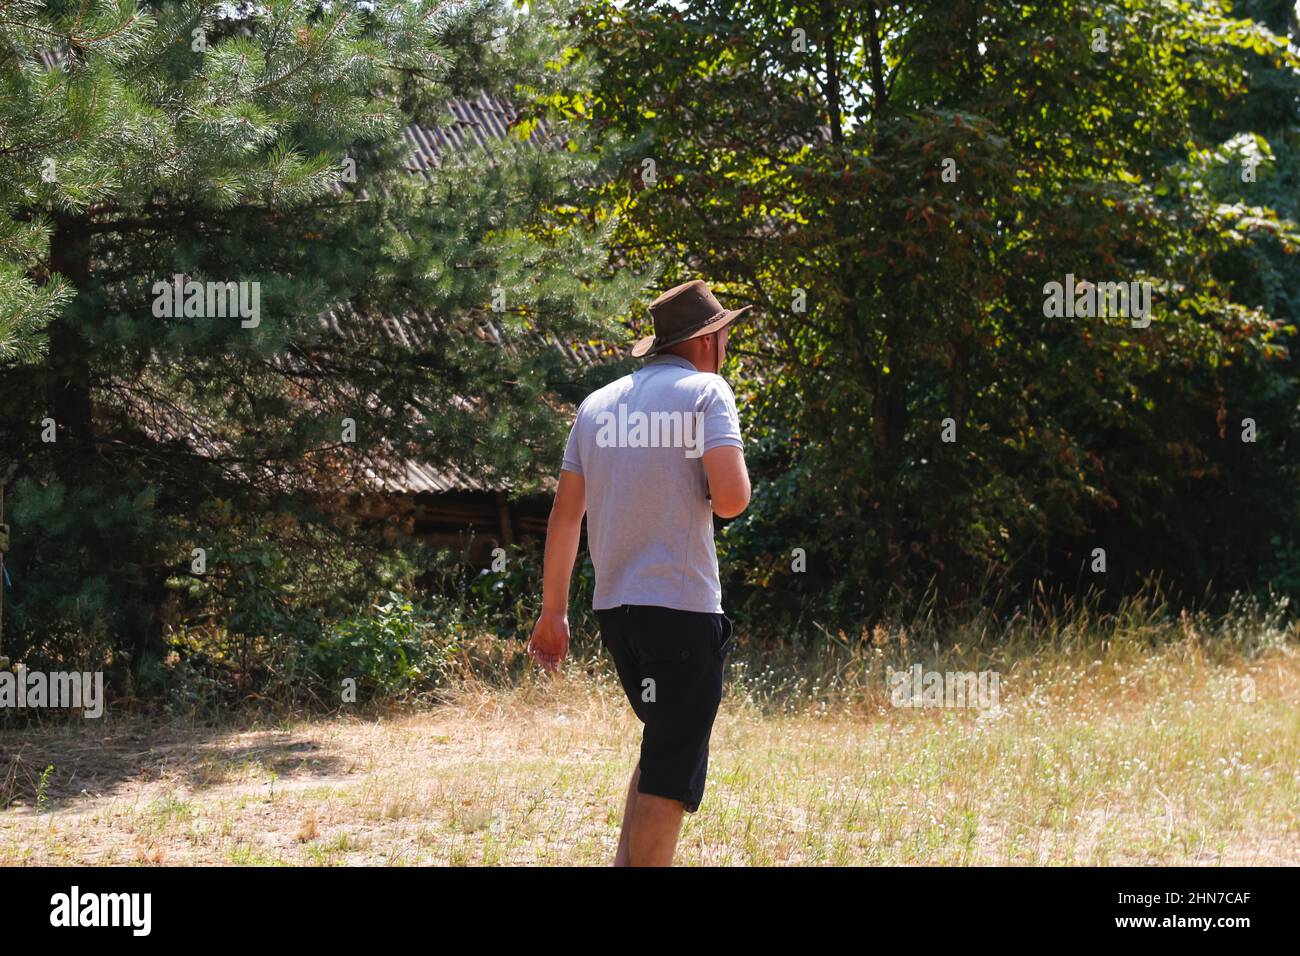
{"points": [[698, 363]]}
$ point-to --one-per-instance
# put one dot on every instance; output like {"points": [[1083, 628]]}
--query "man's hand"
{"points": [[549, 644], [550, 641]]}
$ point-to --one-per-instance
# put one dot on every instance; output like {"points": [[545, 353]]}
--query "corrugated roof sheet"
{"points": [[475, 123], [417, 328]]}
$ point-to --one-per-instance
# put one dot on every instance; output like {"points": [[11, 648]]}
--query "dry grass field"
{"points": [[1128, 751]]}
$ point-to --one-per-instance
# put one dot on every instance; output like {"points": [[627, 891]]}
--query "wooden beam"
{"points": [[503, 520]]}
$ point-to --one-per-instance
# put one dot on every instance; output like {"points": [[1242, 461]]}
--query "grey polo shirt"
{"points": [[637, 443]]}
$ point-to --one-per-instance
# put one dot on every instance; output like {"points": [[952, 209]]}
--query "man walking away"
{"points": [[650, 459]]}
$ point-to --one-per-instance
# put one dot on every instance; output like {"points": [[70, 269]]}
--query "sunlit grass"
{"points": [[1113, 743]]}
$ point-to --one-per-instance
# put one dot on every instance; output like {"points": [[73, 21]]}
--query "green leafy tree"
{"points": [[895, 185], [1251, 161]]}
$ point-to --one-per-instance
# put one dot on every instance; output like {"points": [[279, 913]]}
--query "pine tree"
{"points": [[186, 190]]}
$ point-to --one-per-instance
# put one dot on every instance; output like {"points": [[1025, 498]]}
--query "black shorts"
{"points": [[670, 664]]}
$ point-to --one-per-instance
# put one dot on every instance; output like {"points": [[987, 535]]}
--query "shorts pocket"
{"points": [[725, 628], [668, 638], [667, 675]]}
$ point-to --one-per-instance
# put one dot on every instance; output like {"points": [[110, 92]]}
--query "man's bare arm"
{"points": [[728, 480], [550, 641]]}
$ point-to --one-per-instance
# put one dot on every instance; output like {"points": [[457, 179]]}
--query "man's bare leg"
{"points": [[656, 825], [620, 857], [650, 829]]}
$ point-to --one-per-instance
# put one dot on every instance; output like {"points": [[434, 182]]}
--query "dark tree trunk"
{"points": [[67, 390]]}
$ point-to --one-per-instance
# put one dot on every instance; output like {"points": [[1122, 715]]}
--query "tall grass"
{"points": [[1070, 647]]}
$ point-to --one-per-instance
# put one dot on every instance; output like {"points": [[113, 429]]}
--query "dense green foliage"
{"points": [[799, 155], [894, 185], [264, 144]]}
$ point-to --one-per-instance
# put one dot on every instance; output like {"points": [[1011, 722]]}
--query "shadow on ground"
{"points": [[96, 760]]}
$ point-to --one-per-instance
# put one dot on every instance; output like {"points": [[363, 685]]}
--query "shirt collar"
{"points": [[667, 358]]}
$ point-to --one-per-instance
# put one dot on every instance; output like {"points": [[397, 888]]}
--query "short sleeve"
{"points": [[721, 423], [572, 450]]}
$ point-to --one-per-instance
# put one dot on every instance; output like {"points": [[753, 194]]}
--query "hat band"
{"points": [[672, 339]]}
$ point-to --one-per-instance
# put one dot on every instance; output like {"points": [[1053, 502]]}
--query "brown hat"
{"points": [[684, 312]]}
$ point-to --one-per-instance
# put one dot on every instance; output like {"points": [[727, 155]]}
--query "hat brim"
{"points": [[648, 345]]}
